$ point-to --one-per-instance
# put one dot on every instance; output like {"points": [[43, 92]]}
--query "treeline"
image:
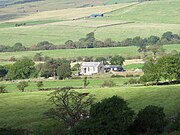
{"points": [[91, 42], [25, 68], [165, 68]]}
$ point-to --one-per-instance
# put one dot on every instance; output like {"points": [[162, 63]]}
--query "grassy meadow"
{"points": [[120, 21], [26, 109], [95, 82], [130, 51]]}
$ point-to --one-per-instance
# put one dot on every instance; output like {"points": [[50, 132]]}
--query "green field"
{"points": [[94, 52], [147, 18], [26, 109], [133, 66], [94, 83]]}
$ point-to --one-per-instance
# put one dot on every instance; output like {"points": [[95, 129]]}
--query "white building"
{"points": [[89, 68]]}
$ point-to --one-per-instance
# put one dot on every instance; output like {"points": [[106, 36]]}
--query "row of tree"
{"points": [[164, 68], [111, 116], [91, 42], [25, 68]]}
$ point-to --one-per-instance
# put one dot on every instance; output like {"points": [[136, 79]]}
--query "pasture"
{"points": [[130, 51], [26, 109], [120, 21], [95, 82]]}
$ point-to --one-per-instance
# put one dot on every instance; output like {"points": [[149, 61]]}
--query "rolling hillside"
{"points": [[120, 21]]}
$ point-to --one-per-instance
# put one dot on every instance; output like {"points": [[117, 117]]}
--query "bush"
{"points": [[111, 116], [11, 131], [150, 121], [2, 89], [133, 81], [174, 123], [117, 76], [108, 83]]}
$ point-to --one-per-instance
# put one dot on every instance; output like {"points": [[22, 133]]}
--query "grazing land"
{"points": [[120, 21], [130, 51], [26, 109]]}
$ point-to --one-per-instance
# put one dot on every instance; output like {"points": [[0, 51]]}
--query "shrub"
{"points": [[108, 83], [2, 89], [117, 76], [22, 85], [111, 116], [150, 120], [133, 81]]}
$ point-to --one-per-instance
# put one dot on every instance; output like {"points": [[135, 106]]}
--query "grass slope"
{"points": [[94, 52], [26, 109], [149, 18]]}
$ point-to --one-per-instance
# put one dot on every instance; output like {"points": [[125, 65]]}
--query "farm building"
{"points": [[109, 68], [97, 15], [89, 68]]}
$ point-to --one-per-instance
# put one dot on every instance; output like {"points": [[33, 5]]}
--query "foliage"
{"points": [[39, 84], [150, 120], [76, 67], [3, 71], [117, 60], [22, 85], [64, 70], [70, 106], [3, 89], [86, 82], [111, 116], [175, 123], [101, 59], [13, 131], [166, 67], [108, 83], [22, 69]]}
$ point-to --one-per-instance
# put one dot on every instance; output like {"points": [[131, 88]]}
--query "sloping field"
{"points": [[26, 109], [72, 13], [120, 21], [161, 11], [94, 52]]}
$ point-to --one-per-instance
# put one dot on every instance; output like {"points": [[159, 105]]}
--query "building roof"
{"points": [[112, 66], [91, 64]]}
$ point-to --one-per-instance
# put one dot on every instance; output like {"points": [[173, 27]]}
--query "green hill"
{"points": [[26, 109], [120, 21]]}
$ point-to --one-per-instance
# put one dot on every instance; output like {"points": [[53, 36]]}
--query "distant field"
{"points": [[134, 66], [94, 83], [26, 109], [120, 21], [161, 11], [94, 52]]}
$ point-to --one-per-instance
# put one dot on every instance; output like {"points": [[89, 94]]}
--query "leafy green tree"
{"points": [[117, 60], [70, 44], [101, 59], [39, 84], [3, 89], [76, 67], [167, 35], [152, 71], [18, 47], [64, 70], [155, 49], [69, 106], [3, 71], [111, 116], [86, 81], [152, 40], [170, 66], [150, 121], [22, 69], [22, 85]]}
